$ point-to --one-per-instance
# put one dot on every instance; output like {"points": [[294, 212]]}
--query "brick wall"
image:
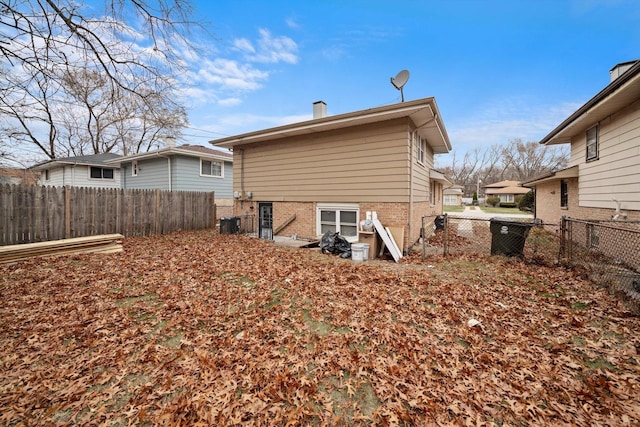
{"points": [[548, 205], [304, 226]]}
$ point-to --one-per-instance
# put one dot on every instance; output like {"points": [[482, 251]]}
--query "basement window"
{"points": [[338, 218]]}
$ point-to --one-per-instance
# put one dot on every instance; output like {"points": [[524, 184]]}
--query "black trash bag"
{"points": [[334, 243]]}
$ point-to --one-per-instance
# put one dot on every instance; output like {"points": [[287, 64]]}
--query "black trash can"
{"points": [[229, 225], [439, 222], [508, 236]]}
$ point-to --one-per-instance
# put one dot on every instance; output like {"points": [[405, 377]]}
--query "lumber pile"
{"points": [[105, 243]]}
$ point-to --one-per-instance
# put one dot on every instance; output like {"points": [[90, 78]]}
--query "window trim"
{"points": [[211, 175], [102, 169], [420, 146], [595, 144], [337, 207]]}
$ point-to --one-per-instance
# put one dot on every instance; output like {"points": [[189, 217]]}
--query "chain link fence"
{"points": [[607, 252]]}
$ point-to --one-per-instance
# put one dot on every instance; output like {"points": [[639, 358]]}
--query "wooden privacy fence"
{"points": [[34, 214]]}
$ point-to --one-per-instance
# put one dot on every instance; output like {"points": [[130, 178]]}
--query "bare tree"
{"points": [[526, 160], [516, 161], [126, 54]]}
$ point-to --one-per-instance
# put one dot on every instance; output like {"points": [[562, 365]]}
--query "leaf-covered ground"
{"points": [[197, 328]]}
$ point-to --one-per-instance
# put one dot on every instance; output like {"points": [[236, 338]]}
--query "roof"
{"points": [[571, 172], [616, 95], [100, 159], [423, 112], [501, 184], [184, 150], [438, 176], [513, 189]]}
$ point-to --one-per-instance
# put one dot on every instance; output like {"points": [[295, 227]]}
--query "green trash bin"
{"points": [[508, 236]]}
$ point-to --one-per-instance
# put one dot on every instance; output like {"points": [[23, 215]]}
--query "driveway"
{"points": [[476, 212], [465, 225]]}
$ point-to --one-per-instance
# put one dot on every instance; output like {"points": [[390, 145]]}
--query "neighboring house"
{"points": [[325, 174], [18, 176], [453, 195], [603, 177], [183, 168], [507, 191], [80, 171]]}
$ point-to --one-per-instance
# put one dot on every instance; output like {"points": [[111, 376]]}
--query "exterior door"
{"points": [[265, 221]]}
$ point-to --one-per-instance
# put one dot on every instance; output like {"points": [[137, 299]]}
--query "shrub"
{"points": [[507, 205], [493, 201], [527, 202], [475, 198]]}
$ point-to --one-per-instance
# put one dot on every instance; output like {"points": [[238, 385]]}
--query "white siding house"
{"points": [[80, 171], [603, 179]]}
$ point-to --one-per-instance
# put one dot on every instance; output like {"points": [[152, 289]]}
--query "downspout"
{"points": [[411, 143], [169, 169]]}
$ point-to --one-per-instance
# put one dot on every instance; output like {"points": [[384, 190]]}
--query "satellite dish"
{"points": [[400, 80]]}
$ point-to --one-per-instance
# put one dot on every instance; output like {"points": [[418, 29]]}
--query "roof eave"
{"points": [[424, 112], [595, 109]]}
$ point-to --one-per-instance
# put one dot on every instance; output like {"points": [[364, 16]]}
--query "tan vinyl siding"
{"points": [[616, 173], [364, 164]]}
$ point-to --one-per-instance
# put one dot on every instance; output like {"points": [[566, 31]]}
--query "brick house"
{"points": [[602, 181], [324, 174]]}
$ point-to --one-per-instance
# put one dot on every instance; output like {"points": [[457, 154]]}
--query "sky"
{"points": [[499, 69]]}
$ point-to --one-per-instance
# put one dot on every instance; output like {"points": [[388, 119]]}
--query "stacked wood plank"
{"points": [[105, 243]]}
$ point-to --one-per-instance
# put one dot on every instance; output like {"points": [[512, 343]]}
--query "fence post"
{"points": [[67, 211], [446, 235], [424, 240]]}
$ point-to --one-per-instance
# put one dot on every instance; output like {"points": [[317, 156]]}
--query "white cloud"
{"points": [[229, 102], [291, 23], [244, 45], [269, 49], [502, 121], [231, 75]]}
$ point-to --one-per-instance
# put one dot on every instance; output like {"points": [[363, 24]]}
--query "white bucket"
{"points": [[365, 246], [357, 252]]}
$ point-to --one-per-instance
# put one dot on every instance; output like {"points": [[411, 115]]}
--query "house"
{"points": [[183, 168], [602, 181], [325, 174], [453, 195], [80, 171], [18, 176], [507, 191]]}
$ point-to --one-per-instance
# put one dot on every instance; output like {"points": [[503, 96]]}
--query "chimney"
{"points": [[620, 69], [319, 109], [169, 142]]}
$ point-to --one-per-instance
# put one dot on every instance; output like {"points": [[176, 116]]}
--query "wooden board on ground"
{"points": [[105, 243], [388, 240], [397, 232], [393, 241]]}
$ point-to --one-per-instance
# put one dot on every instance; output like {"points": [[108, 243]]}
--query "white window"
{"points": [[211, 168], [46, 174], [420, 146], [450, 199], [338, 218], [432, 193], [100, 173], [506, 198], [134, 168], [592, 143]]}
